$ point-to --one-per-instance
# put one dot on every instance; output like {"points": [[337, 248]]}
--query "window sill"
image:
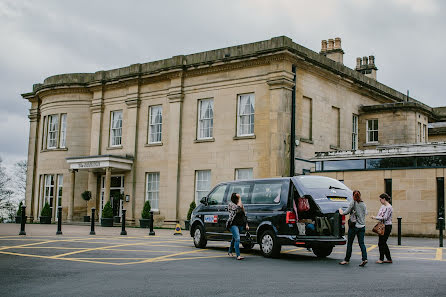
{"points": [[114, 147], [54, 150], [244, 137], [306, 140], [153, 144], [371, 144], [334, 147], [204, 140]]}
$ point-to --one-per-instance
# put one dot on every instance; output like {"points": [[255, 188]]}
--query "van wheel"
{"points": [[199, 237], [322, 251], [269, 246]]}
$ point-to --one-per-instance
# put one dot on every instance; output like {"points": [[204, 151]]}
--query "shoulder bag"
{"points": [[379, 228]]}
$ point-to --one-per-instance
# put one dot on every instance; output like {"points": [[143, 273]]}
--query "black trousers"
{"points": [[382, 244]]}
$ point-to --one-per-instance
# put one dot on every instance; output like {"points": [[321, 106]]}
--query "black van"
{"points": [[300, 211]]}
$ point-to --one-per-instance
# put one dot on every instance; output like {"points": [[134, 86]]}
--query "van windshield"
{"points": [[321, 182]]}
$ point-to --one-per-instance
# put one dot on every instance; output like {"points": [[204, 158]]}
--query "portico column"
{"points": [[92, 187], [71, 195], [107, 185]]}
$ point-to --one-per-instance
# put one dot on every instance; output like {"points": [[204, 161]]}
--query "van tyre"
{"points": [[269, 245], [322, 251], [199, 237], [247, 245]]}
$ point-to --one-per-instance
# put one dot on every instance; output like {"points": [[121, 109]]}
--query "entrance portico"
{"points": [[97, 165]]}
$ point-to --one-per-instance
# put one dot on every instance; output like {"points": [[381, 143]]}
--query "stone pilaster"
{"points": [[97, 112], [71, 191]]}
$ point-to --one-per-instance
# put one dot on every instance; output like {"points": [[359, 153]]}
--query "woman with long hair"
{"points": [[358, 207], [385, 216], [236, 222]]}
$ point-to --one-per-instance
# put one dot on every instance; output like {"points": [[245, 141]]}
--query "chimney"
{"points": [[332, 49], [366, 66]]}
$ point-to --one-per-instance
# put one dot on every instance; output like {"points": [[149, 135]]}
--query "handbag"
{"points": [[303, 205], [248, 237], [379, 228]]}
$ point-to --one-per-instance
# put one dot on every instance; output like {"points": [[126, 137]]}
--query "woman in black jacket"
{"points": [[236, 222]]}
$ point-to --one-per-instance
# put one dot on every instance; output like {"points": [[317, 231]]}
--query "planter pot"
{"points": [[144, 223], [107, 222], [117, 219], [18, 219], [186, 225], [86, 218], [45, 220]]}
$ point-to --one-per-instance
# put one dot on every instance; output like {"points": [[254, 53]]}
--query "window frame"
{"points": [[201, 120], [370, 130], [112, 136], [152, 190], [355, 120], [63, 130], [250, 115], [196, 190], [154, 125], [237, 173], [55, 131]]}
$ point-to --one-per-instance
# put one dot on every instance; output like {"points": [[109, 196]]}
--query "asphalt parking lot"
{"points": [[73, 264]]}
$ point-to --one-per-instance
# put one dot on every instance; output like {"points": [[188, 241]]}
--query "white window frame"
{"points": [[202, 184], [49, 187], [370, 130], [63, 130], [243, 173], [354, 132], [155, 124], [116, 128], [52, 131], [205, 127], [59, 193], [245, 116], [424, 132], [152, 189]]}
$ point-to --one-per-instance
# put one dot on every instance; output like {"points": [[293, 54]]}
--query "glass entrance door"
{"points": [[116, 188]]}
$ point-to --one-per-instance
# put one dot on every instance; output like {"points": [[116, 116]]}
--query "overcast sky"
{"points": [[43, 38]]}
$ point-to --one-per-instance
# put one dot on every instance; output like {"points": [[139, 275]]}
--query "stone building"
{"points": [[168, 131]]}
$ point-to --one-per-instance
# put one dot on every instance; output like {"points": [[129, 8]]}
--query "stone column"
{"points": [[175, 97], [92, 187], [32, 179], [107, 185], [71, 191], [97, 111], [281, 84]]}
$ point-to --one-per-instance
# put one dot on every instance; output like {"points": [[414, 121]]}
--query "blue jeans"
{"points": [[352, 232], [235, 242]]}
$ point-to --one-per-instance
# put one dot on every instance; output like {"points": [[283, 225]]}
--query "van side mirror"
{"points": [[204, 201]]}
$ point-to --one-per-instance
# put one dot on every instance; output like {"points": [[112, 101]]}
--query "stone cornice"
{"points": [[412, 106], [34, 115], [133, 102]]}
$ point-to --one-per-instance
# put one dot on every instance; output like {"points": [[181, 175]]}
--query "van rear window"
{"points": [[321, 182], [266, 193]]}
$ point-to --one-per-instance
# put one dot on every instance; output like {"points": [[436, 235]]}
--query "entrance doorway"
{"points": [[116, 190]]}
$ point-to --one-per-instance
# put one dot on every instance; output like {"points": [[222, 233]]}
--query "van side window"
{"points": [[266, 193], [216, 197], [244, 189]]}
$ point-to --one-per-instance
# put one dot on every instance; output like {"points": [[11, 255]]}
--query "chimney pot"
{"points": [[365, 61], [330, 44], [372, 60], [358, 63], [323, 46], [337, 43]]}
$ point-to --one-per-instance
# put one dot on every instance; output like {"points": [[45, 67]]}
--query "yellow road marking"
{"points": [[439, 254], [94, 249], [292, 250], [372, 248], [29, 244], [169, 256], [51, 247]]}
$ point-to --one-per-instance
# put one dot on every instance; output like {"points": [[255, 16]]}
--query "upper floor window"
{"points": [[205, 118], [243, 173], [116, 128], [354, 132], [155, 123], [55, 131], [372, 131], [245, 115]]}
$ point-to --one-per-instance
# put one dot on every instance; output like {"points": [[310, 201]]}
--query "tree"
{"points": [[7, 205], [19, 179]]}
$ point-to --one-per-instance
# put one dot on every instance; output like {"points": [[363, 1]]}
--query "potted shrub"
{"points": [[144, 221], [189, 214], [116, 203], [107, 215], [18, 217], [86, 195], [45, 214]]}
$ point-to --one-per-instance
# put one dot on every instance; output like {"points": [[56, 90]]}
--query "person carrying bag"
{"points": [[384, 228], [237, 221]]}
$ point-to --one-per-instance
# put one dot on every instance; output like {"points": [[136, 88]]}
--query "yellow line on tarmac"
{"points": [[24, 255], [157, 259], [439, 254], [292, 250], [25, 245], [50, 247], [372, 248], [192, 258], [93, 249]]}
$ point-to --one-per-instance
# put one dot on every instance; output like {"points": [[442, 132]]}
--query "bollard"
{"points": [[441, 224], [151, 224], [399, 230], [59, 220], [123, 232], [22, 224], [92, 221]]}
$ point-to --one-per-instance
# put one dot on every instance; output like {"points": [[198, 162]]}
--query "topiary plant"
{"points": [[19, 211], [46, 210], [86, 195], [192, 206], [145, 214], [107, 211]]}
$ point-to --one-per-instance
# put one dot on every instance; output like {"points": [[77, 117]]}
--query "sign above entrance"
{"points": [[103, 161], [89, 165]]}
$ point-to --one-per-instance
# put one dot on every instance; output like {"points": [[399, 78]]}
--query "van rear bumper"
{"points": [[311, 240]]}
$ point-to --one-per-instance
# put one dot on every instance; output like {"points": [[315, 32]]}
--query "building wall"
{"points": [[414, 196]]}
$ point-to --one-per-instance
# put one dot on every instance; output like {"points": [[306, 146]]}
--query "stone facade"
{"points": [[327, 95]]}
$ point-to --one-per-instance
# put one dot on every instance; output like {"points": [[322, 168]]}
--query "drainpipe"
{"points": [[293, 123]]}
